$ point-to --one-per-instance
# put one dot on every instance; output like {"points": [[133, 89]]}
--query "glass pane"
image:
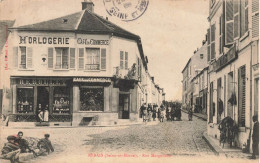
{"points": [[23, 57], [65, 59], [25, 100], [58, 58], [61, 100], [92, 99]]}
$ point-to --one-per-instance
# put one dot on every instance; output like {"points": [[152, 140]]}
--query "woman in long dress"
{"points": [[46, 114]]}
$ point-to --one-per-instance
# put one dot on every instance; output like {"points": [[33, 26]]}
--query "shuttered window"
{"points": [[29, 58], [229, 20], [244, 17], [208, 40], [15, 57], [236, 18], [212, 47], [255, 18], [62, 58], [26, 57], [72, 58], [220, 34], [126, 60], [50, 58], [22, 64], [81, 58], [123, 60], [241, 95], [93, 59], [103, 59]]}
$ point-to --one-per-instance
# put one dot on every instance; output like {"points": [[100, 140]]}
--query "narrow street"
{"points": [[154, 139]]}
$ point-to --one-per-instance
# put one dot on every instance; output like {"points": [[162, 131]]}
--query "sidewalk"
{"points": [[226, 151], [199, 115]]}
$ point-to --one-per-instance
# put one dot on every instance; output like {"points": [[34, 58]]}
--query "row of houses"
{"points": [[226, 82], [82, 68]]}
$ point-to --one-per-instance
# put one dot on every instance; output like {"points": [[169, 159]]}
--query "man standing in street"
{"points": [[255, 137]]}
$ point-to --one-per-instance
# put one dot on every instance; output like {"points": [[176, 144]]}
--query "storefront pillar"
{"points": [[76, 98]]}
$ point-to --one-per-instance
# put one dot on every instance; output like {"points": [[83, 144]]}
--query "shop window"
{"points": [[93, 59], [62, 58], [25, 59], [61, 102], [92, 99], [25, 100], [123, 60]]}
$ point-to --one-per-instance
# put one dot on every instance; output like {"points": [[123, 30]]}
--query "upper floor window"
{"points": [[201, 56], [62, 58], [25, 57], [123, 60], [92, 59]]}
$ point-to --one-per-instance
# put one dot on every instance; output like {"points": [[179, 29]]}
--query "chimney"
{"points": [[88, 4]]}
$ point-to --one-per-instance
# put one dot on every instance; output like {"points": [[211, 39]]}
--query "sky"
{"points": [[170, 31]]}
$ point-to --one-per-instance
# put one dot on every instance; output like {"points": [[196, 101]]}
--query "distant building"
{"points": [[194, 66]]}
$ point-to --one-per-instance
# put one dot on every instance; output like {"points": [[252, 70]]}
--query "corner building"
{"points": [[84, 69]]}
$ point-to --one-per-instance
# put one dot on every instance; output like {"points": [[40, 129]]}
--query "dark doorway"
{"points": [[43, 96], [123, 106]]}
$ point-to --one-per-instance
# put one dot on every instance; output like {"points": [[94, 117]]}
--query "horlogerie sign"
{"points": [[92, 80]]}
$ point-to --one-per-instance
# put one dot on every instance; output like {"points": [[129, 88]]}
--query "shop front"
{"points": [[31, 95]]}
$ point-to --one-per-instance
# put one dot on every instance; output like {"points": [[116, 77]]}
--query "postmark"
{"points": [[126, 10]]}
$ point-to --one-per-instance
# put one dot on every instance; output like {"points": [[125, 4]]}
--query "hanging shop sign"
{"points": [[225, 59], [92, 80]]}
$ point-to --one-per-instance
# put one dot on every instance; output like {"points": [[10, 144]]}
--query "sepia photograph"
{"points": [[129, 81]]}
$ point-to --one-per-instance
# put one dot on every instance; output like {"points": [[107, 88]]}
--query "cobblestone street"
{"points": [[178, 139]]}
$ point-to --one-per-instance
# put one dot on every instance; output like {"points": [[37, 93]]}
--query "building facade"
{"points": [[194, 66], [82, 68], [233, 48]]}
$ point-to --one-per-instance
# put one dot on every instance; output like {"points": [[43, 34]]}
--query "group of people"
{"points": [[150, 112], [43, 114], [17, 145]]}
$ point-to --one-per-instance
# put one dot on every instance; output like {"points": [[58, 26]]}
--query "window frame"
{"points": [[19, 60], [55, 58]]}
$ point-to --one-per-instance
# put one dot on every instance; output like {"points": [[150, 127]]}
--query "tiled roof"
{"points": [[83, 22]]}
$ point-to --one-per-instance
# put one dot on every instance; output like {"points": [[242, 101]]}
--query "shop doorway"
{"points": [[43, 97], [123, 106]]}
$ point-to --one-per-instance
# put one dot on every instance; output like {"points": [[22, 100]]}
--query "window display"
{"points": [[25, 100], [61, 102], [92, 99]]}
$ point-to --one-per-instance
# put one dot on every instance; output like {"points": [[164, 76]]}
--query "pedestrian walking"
{"points": [[154, 112], [149, 112], [144, 112], [255, 137], [190, 114]]}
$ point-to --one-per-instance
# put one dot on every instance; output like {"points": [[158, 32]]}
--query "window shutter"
{"points": [[103, 59], [220, 35], [242, 95], [50, 57], [15, 57], [229, 23], [72, 58], [236, 18], [81, 58], [212, 48], [121, 59], [29, 57], [126, 60], [255, 18], [208, 39]]}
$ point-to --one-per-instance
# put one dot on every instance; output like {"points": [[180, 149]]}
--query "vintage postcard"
{"points": [[129, 81]]}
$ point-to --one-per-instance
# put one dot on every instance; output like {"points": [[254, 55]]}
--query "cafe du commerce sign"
{"points": [[59, 40]]}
